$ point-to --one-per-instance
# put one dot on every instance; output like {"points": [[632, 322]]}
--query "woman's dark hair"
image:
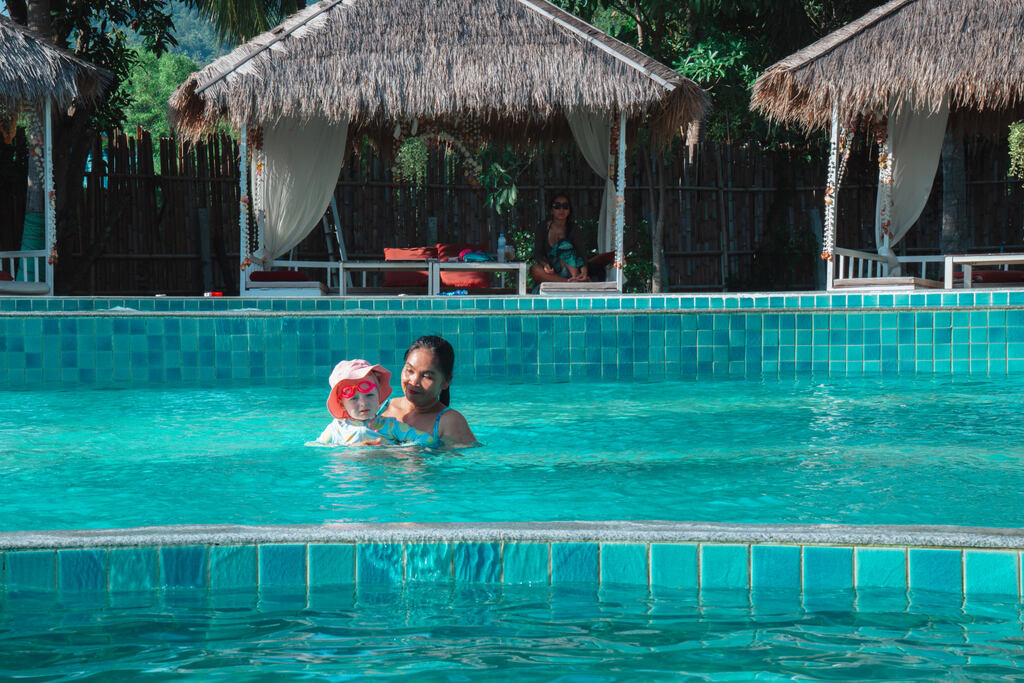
{"points": [[540, 246], [443, 352]]}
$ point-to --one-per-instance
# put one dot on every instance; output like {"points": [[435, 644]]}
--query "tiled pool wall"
{"points": [[641, 337], [705, 569]]}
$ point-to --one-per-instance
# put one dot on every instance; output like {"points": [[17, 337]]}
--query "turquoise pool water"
{"points": [[434, 633], [930, 450]]}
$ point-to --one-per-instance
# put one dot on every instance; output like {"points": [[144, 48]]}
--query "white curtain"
{"points": [[915, 144], [303, 159], [593, 134]]}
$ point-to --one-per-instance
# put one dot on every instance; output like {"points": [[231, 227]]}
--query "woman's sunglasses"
{"points": [[363, 387], [560, 205]]}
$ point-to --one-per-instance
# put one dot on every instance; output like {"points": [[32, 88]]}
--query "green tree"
{"points": [[236, 21], [722, 45], [150, 85], [95, 30]]}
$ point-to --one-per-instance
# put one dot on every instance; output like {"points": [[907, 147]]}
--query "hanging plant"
{"points": [[411, 161]]}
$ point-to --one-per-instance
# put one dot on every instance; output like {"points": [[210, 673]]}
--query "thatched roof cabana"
{"points": [[968, 53], [36, 74], [513, 66], [32, 69], [910, 69], [471, 70]]}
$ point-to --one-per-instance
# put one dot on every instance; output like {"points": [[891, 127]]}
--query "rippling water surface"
{"points": [[861, 451], [486, 633]]}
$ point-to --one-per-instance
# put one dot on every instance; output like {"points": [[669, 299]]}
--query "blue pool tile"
{"points": [[477, 562], [574, 563], [673, 566], [30, 570], [775, 567], [526, 563], [234, 566], [428, 562], [82, 570], [331, 565], [624, 563], [881, 568], [282, 565], [183, 566], [133, 569], [991, 573], [935, 570], [827, 569], [379, 563], [724, 566]]}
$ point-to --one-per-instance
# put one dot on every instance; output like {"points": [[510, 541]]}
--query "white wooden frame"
{"points": [[16, 264], [968, 261], [849, 265], [337, 270], [518, 267]]}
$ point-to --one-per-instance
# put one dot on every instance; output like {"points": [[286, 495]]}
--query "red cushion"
{"points": [[4, 277], [278, 276], [465, 279], [997, 276], [461, 279], [450, 252], [407, 278]]}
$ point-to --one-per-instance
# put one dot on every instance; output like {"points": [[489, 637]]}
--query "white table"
{"points": [[520, 267], [433, 268], [968, 261]]}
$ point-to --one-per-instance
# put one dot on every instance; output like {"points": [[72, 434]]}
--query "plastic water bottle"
{"points": [[501, 246]]}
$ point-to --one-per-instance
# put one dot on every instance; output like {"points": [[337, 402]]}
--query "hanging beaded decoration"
{"points": [[884, 178], [839, 151], [258, 185], [615, 172]]}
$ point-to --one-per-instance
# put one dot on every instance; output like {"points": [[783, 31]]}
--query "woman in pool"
{"points": [[558, 258], [423, 407]]}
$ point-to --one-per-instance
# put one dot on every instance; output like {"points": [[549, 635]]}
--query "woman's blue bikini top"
{"points": [[406, 434]]}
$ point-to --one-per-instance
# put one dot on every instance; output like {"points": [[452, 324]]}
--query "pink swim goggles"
{"points": [[363, 387]]}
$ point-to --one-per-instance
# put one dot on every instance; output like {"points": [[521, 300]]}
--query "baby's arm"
{"points": [[326, 437]]}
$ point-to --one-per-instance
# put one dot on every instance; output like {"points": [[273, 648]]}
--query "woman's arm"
{"points": [[455, 432]]}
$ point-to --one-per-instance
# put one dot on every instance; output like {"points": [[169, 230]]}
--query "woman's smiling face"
{"points": [[422, 378]]}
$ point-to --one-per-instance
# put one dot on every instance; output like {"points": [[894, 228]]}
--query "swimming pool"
{"points": [[903, 450], [470, 633], [791, 433]]}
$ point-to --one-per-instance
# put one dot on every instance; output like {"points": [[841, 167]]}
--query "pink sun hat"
{"points": [[350, 372]]}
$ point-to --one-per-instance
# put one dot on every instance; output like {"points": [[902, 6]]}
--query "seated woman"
{"points": [[423, 406], [558, 258]]}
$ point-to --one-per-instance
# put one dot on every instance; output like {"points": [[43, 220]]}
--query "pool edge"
{"points": [[927, 536]]}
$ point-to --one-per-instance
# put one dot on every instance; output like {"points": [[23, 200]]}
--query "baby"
{"points": [[357, 390]]}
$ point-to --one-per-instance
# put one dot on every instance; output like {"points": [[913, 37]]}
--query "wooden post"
{"points": [[243, 209], [620, 206], [831, 191], [722, 225], [49, 199]]}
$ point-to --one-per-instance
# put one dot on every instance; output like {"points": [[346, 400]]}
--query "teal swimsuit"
{"points": [[564, 254], [403, 433]]}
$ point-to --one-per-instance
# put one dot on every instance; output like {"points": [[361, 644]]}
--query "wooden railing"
{"points": [[29, 267], [850, 264]]}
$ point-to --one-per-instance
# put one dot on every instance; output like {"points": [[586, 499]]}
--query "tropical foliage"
{"points": [[150, 85]]}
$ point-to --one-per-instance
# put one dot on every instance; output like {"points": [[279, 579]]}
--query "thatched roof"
{"points": [[919, 51], [514, 66], [32, 69]]}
